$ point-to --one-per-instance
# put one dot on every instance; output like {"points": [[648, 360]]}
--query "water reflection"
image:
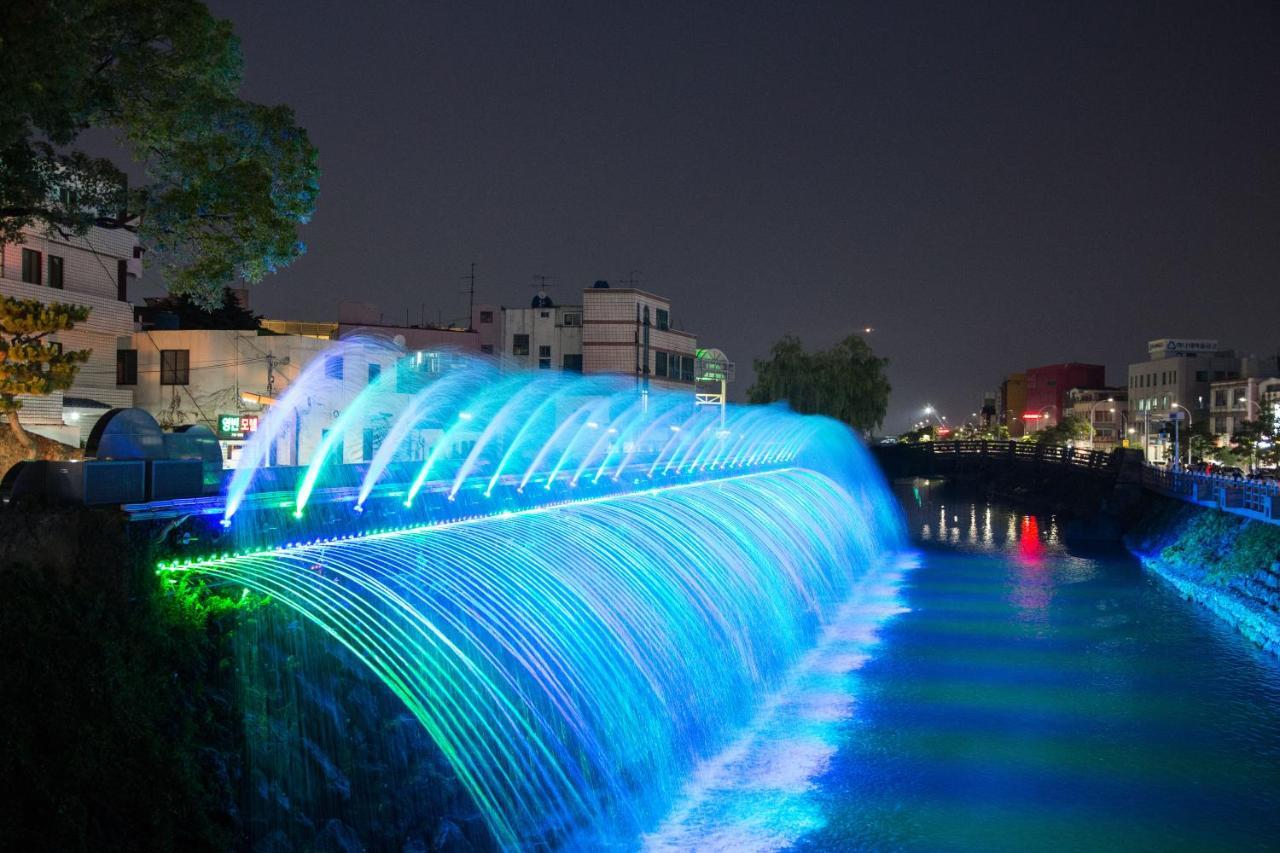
{"points": [[1044, 696]]}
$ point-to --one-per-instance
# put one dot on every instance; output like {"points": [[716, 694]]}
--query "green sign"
{"points": [[236, 426]]}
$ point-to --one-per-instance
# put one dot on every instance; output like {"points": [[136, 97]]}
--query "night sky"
{"points": [[989, 186]]}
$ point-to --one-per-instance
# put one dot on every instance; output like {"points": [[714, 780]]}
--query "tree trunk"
{"points": [[21, 435]]}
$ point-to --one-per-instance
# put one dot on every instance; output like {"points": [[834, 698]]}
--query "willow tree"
{"points": [[846, 382], [29, 362], [228, 181]]}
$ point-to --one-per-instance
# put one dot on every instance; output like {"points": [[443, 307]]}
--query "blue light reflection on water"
{"points": [[1040, 696]]}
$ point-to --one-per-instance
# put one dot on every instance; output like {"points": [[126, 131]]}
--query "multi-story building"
{"points": [[93, 271], [629, 332], [1012, 403], [1176, 376], [1233, 401], [1047, 389], [1105, 410], [544, 336]]}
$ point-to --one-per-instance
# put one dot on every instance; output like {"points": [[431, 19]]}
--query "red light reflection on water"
{"points": [[1033, 582]]}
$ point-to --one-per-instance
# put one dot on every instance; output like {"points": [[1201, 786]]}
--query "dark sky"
{"points": [[990, 186]]}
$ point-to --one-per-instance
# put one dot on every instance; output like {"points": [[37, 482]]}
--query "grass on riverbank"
{"points": [[1201, 542]]}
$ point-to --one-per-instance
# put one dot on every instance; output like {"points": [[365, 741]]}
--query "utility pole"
{"points": [[471, 302]]}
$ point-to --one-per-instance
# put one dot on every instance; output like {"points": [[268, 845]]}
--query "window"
{"points": [[368, 444], [375, 370], [55, 272], [520, 345], [487, 349], [30, 266], [1220, 399], [333, 367], [122, 281], [573, 362], [544, 358], [659, 364], [686, 368], [1202, 376], [572, 318], [544, 314], [175, 367], [486, 316], [1220, 425], [664, 319], [126, 367]]}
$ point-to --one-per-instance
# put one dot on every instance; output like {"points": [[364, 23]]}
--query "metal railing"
{"points": [[1097, 460], [1244, 496]]}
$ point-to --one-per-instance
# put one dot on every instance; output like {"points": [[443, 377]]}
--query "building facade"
{"points": [[1177, 376], [94, 271], [1233, 401], [1047, 389], [1106, 412], [629, 332], [1011, 402], [544, 336]]}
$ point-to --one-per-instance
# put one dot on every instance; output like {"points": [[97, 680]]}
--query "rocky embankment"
{"points": [[1229, 564]]}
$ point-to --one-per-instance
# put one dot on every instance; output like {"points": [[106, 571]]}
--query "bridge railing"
{"points": [[1253, 498], [1025, 452]]}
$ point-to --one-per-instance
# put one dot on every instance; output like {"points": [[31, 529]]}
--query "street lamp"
{"points": [[1091, 408], [930, 410], [1177, 447]]}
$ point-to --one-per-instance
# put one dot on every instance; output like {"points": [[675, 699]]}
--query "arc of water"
{"points": [[496, 424], [656, 425], [476, 412], [311, 380], [337, 433], [425, 403], [597, 413], [679, 436], [583, 411], [698, 442], [611, 433], [627, 434]]}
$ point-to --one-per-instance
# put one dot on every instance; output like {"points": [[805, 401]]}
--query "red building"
{"points": [[1047, 389]]}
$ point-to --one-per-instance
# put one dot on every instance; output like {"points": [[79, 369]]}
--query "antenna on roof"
{"points": [[471, 304], [632, 279]]}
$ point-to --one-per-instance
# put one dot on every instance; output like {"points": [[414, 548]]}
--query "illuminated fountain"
{"points": [[583, 593]]}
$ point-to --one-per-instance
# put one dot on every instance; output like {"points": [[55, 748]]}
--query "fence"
{"points": [[1258, 499]]}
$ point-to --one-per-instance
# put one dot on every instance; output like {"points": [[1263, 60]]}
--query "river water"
{"points": [[1039, 696]]}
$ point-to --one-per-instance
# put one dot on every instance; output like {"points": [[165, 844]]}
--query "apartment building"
{"points": [[94, 271]]}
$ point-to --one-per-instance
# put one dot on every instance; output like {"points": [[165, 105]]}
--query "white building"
{"points": [[225, 379], [93, 271], [1237, 400], [545, 336], [1176, 376]]}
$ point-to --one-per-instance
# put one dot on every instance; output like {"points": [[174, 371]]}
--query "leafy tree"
{"points": [[228, 180], [846, 382], [230, 313], [30, 364], [1070, 428], [1255, 441]]}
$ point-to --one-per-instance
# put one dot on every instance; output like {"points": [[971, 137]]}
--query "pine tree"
{"points": [[29, 363]]}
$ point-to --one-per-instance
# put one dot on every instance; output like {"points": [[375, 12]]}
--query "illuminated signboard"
{"points": [[237, 426]]}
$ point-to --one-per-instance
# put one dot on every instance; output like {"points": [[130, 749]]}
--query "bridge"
{"points": [[1038, 467]]}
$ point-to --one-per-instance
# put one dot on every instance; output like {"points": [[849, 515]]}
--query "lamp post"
{"points": [[1177, 447], [1091, 409]]}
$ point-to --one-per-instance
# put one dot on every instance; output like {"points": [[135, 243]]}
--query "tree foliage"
{"points": [[1070, 428], [229, 312], [1254, 442], [846, 382], [29, 362], [228, 180]]}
